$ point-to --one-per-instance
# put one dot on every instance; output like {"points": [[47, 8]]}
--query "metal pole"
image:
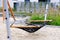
{"points": [[46, 12], [45, 15], [7, 19]]}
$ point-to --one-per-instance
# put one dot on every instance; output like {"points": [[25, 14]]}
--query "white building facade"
{"points": [[12, 2], [0, 3]]}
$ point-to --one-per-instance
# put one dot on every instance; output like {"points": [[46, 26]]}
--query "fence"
{"points": [[37, 7]]}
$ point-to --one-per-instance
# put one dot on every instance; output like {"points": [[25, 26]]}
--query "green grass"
{"points": [[52, 15], [37, 17], [23, 13], [55, 20]]}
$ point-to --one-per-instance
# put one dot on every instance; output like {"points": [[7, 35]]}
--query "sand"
{"points": [[48, 32]]}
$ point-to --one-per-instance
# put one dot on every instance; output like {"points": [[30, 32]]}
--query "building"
{"points": [[0, 3], [10, 1], [14, 2]]}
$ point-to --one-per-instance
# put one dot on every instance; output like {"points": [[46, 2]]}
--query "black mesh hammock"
{"points": [[32, 29]]}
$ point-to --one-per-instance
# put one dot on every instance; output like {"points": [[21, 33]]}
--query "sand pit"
{"points": [[48, 32]]}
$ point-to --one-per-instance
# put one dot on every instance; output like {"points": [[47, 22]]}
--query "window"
{"points": [[27, 0], [44, 0], [15, 0]]}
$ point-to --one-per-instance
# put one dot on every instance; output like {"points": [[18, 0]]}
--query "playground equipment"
{"points": [[6, 16], [29, 27]]}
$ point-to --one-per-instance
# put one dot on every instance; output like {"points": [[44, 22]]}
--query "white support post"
{"points": [[7, 19], [46, 12]]}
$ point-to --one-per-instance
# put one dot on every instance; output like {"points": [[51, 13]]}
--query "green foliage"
{"points": [[36, 17], [0, 9]]}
